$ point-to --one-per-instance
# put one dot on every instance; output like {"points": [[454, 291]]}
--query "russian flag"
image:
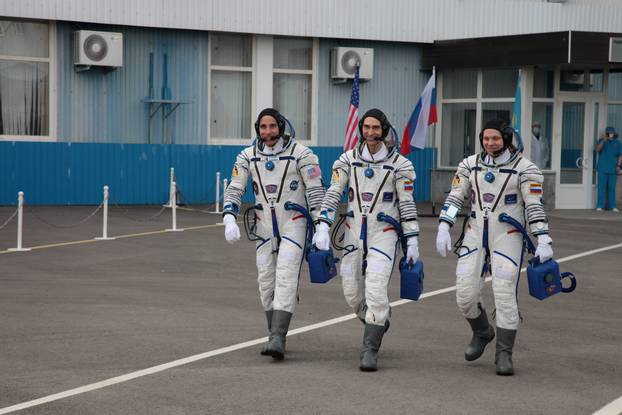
{"points": [[421, 118]]}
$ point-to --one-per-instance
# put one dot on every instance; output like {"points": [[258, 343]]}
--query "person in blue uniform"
{"points": [[609, 151]]}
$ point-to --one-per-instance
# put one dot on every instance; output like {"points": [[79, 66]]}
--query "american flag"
{"points": [[351, 136]]}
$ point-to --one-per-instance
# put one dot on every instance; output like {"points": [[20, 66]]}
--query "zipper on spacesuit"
{"points": [[275, 230], [364, 238], [485, 245]]}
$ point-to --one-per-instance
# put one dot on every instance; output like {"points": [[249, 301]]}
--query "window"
{"points": [[460, 83], [457, 133], [614, 86], [292, 82], [231, 73], [543, 83], [470, 98], [499, 83], [579, 80], [540, 134], [24, 78]]}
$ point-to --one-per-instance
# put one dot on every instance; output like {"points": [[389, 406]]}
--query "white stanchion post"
{"points": [[20, 223], [174, 210], [170, 188], [217, 211], [104, 236]]}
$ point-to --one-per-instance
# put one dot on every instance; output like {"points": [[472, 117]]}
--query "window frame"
{"points": [[477, 100], [315, 46], [262, 76], [51, 61], [252, 70]]}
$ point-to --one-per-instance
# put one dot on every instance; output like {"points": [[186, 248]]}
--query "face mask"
{"points": [[536, 131]]}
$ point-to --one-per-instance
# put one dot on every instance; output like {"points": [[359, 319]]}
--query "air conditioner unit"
{"points": [[575, 78], [344, 61], [98, 48]]}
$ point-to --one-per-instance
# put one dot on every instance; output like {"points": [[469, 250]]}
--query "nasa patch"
{"points": [[511, 199], [293, 185]]}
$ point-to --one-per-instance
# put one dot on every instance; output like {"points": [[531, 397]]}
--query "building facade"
{"points": [[195, 74]]}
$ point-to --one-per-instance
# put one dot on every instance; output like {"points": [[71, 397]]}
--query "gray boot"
{"points": [[483, 333], [264, 349], [503, 356], [387, 323], [372, 338], [278, 331]]}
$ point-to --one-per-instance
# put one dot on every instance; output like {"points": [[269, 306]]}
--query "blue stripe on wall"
{"points": [[75, 173]]}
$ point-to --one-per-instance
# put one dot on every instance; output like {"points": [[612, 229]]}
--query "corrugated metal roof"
{"points": [[393, 20]]}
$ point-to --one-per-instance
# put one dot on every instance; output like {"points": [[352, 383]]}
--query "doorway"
{"points": [[577, 126]]}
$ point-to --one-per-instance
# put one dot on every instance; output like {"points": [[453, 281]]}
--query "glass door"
{"points": [[573, 153]]}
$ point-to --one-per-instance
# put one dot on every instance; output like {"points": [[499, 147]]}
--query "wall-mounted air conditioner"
{"points": [[344, 60], [98, 48]]}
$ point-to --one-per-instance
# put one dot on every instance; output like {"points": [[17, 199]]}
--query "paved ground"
{"points": [[72, 315]]}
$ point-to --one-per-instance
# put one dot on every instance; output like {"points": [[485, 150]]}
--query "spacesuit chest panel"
{"points": [[372, 185], [275, 177], [495, 186]]}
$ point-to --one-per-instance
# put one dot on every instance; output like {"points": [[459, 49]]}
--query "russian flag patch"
{"points": [[535, 188], [408, 185]]}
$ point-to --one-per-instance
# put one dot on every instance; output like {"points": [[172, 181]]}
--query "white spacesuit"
{"points": [[379, 182], [505, 182], [285, 171], [539, 147]]}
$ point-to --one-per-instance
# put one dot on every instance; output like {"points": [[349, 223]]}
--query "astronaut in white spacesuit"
{"points": [[281, 170], [377, 179], [499, 180]]}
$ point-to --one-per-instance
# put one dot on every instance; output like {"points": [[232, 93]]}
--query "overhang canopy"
{"points": [[569, 47]]}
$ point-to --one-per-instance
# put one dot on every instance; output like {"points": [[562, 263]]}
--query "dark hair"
{"points": [[280, 120], [379, 115]]}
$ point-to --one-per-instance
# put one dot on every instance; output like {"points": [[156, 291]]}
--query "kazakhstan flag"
{"points": [[516, 115]]}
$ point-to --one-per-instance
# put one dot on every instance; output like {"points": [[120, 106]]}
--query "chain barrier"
{"points": [[73, 225], [9, 219], [188, 206], [125, 211]]}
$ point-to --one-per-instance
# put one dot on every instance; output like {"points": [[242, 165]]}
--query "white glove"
{"points": [[412, 253], [544, 250], [321, 238], [443, 239], [232, 231]]}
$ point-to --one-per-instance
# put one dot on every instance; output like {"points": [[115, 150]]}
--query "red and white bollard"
{"points": [[104, 236], [20, 223]]}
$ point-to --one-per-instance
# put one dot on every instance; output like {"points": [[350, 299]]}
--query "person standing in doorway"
{"points": [[539, 147], [609, 151]]}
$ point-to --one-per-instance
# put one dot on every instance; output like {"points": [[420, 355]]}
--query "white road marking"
{"points": [[609, 409], [613, 408]]}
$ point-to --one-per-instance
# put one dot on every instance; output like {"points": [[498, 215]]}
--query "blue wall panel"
{"points": [[75, 173], [106, 106]]}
